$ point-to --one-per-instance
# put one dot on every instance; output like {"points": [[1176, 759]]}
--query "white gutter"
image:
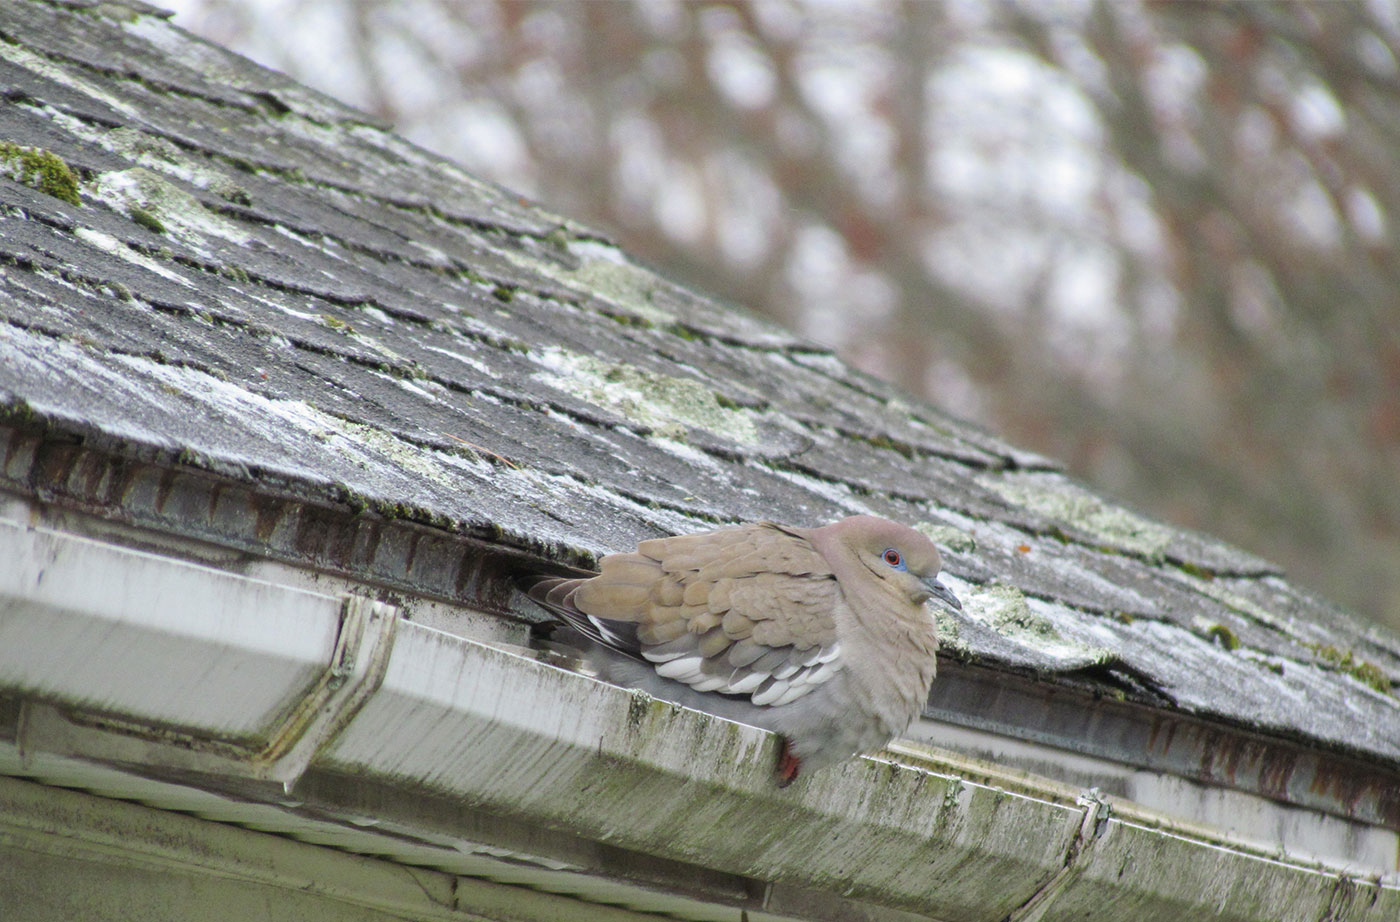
{"points": [[174, 666], [140, 635]]}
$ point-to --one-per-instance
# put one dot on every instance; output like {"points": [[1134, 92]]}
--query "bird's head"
{"points": [[895, 554]]}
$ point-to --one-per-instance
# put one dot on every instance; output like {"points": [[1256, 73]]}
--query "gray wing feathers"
{"points": [[743, 611]]}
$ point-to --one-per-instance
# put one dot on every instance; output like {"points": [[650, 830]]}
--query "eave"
{"points": [[106, 488], [379, 735]]}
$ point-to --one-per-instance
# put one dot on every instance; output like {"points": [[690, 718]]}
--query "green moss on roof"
{"points": [[603, 273], [147, 220], [335, 323], [684, 332], [1359, 669], [1192, 569], [887, 443], [16, 412], [40, 169], [1224, 636]]}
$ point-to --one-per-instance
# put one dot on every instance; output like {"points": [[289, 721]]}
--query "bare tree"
{"points": [[1156, 239]]}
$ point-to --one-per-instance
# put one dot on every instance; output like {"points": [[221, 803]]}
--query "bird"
{"points": [[820, 635]]}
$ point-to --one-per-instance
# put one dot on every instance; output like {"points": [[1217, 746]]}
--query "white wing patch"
{"points": [[771, 676]]}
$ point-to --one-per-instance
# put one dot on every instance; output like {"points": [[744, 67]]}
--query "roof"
{"points": [[259, 319]]}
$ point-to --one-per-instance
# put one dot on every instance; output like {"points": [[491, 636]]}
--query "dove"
{"points": [[820, 635]]}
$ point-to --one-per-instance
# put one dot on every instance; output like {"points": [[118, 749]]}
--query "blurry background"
{"points": [[1157, 240]]}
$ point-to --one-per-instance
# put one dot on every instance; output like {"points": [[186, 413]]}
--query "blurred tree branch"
{"points": [[1160, 240]]}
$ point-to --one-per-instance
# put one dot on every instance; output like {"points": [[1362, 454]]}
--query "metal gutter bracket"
{"points": [[357, 667], [1097, 813]]}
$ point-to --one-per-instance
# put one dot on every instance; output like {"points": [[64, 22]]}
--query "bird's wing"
{"points": [[740, 611]]}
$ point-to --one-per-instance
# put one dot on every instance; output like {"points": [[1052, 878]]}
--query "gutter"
{"points": [[310, 713]]}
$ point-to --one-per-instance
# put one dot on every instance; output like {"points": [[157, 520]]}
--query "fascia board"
{"points": [[508, 734]]}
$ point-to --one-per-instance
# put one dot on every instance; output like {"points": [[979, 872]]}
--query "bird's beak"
{"points": [[942, 593]]}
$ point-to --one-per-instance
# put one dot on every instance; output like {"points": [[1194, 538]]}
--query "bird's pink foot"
{"points": [[788, 765]]}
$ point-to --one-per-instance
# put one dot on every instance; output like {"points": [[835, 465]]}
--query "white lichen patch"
{"points": [[361, 333], [995, 537], [947, 621], [474, 364], [589, 495], [1057, 498], [23, 57], [482, 328], [604, 273], [946, 536], [606, 270], [111, 245], [156, 153], [216, 64], [149, 198], [402, 151], [356, 439], [432, 255], [362, 445], [1030, 622], [660, 402], [1005, 610], [949, 631], [834, 492], [415, 160], [324, 132], [688, 454]]}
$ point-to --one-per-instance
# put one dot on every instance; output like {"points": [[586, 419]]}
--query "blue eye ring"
{"points": [[894, 558]]}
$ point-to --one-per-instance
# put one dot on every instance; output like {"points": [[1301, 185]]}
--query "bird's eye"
{"points": [[893, 558]]}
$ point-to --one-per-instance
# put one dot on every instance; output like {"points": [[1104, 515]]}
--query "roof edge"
{"points": [[323, 528], [456, 722]]}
